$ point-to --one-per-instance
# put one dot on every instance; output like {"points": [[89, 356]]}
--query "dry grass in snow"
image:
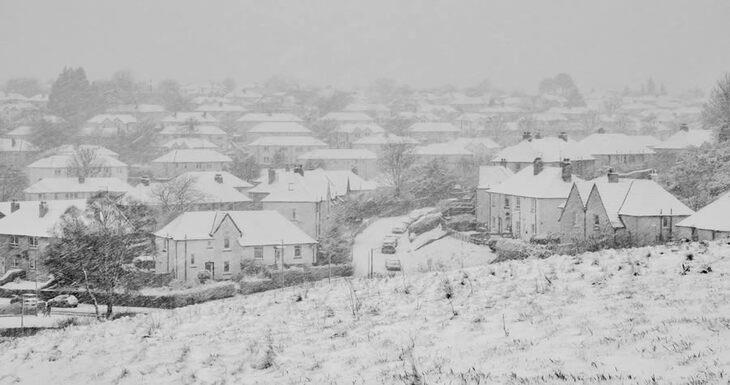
{"points": [[648, 315]]}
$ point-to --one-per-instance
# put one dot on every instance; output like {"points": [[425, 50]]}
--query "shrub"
{"points": [[515, 249], [204, 276], [292, 277]]}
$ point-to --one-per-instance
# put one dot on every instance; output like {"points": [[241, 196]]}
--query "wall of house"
{"points": [[23, 256], [483, 209], [650, 230], [171, 170], [531, 217], [58, 196], [35, 174], [620, 162], [309, 216], [265, 154], [582, 168], [572, 220], [366, 168]]}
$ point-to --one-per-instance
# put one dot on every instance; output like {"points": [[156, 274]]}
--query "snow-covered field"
{"points": [[609, 317]]}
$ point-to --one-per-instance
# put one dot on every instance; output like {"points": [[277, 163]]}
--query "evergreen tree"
{"points": [[71, 96], [716, 111]]}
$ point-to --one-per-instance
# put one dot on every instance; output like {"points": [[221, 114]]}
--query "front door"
{"points": [[210, 266]]}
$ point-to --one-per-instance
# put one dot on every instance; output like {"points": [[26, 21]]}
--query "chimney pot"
{"points": [[601, 130], [612, 176], [42, 209], [563, 135], [538, 135], [218, 178], [567, 170], [537, 166], [82, 179], [14, 206], [272, 175], [527, 135]]}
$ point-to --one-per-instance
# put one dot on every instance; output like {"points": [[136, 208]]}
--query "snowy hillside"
{"points": [[607, 317]]}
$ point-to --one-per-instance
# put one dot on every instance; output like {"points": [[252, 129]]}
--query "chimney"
{"points": [[145, 180], [503, 162], [218, 178], [82, 179], [684, 127], [612, 176], [354, 170], [601, 130], [272, 175], [538, 135], [42, 209], [12, 142], [537, 166], [14, 206], [527, 135], [567, 170], [299, 169], [563, 135]]}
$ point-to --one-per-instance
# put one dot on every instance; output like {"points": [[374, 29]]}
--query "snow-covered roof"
{"points": [[70, 149], [305, 141], [182, 117], [196, 130], [371, 127], [648, 198], [711, 217], [547, 184], [258, 228], [26, 221], [136, 108], [468, 143], [190, 143], [549, 149], [204, 188], [549, 117], [197, 155], [123, 118], [348, 116], [443, 149], [365, 107], [472, 117], [314, 186], [70, 185], [66, 160], [613, 144], [20, 131], [220, 107], [16, 145], [338, 153], [684, 139], [279, 127], [269, 117], [490, 176], [385, 139], [433, 127]]}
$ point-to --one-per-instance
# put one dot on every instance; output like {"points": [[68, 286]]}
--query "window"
{"points": [[665, 222], [277, 253], [14, 240], [16, 262], [297, 251], [506, 202], [210, 244], [192, 259], [31, 264], [533, 205], [517, 203], [294, 214], [258, 252], [226, 266], [596, 221], [226, 243], [33, 242]]}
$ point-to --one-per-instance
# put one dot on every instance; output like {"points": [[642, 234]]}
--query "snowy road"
{"points": [[447, 253]]}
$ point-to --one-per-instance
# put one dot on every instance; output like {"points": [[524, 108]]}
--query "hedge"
{"points": [[155, 298], [292, 277]]}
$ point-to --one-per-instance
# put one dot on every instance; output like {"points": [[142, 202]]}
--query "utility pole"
{"points": [[282, 262]]}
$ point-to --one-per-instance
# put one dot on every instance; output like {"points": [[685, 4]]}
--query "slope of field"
{"points": [[649, 315]]}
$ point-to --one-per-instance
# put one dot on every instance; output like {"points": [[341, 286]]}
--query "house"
{"points": [[187, 118], [221, 241], [20, 132], [74, 188], [277, 129], [618, 151], [483, 148], [210, 133], [433, 132], [529, 203], [305, 197], [552, 151], [66, 165], [710, 222], [489, 176], [142, 112], [16, 152], [222, 111], [472, 123], [376, 143], [347, 133], [247, 121], [607, 207], [342, 117], [109, 125], [25, 231], [360, 162], [197, 191], [177, 162], [450, 154], [377, 111], [189, 143], [684, 139], [71, 149], [283, 150]]}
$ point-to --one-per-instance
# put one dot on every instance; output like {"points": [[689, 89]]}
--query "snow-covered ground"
{"points": [[609, 317], [444, 254]]}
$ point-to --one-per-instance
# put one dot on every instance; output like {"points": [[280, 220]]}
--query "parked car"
{"points": [[391, 238], [388, 246], [64, 300], [393, 265], [479, 238], [400, 228]]}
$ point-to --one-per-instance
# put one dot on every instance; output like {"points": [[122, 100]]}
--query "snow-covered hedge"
{"points": [[509, 249], [291, 277]]}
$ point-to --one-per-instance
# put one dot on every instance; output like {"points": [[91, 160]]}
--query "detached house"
{"points": [[283, 150], [347, 133], [710, 222], [177, 162], [347, 117], [187, 118], [143, 112], [25, 231], [247, 121], [74, 188], [189, 143], [529, 203], [608, 207], [220, 241], [64, 165], [619, 151], [360, 162], [433, 132], [552, 151], [106, 125], [205, 132], [203, 190], [277, 129], [376, 143]]}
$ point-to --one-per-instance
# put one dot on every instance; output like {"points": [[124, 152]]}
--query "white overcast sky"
{"points": [[602, 44]]}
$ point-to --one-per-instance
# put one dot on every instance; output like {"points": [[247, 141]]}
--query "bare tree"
{"points": [[85, 163], [177, 195], [717, 109], [395, 160]]}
